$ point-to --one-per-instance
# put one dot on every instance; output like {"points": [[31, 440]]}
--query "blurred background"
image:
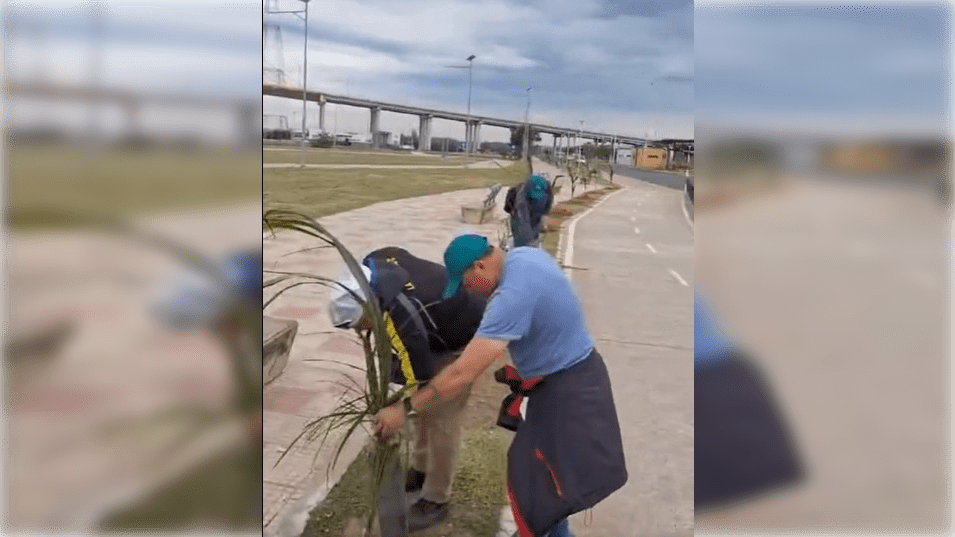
{"points": [[823, 239], [132, 350]]}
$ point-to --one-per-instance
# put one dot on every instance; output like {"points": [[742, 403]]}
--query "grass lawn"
{"points": [[271, 155], [479, 490], [128, 182], [321, 192]]}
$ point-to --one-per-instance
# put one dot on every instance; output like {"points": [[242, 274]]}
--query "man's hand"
{"points": [[388, 421]]}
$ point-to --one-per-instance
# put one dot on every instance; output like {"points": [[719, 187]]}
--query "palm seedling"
{"points": [[374, 395]]}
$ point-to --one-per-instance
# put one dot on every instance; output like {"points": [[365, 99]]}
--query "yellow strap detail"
{"points": [[403, 359]]}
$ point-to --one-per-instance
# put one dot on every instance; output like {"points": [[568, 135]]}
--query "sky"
{"points": [[621, 67], [820, 67], [635, 68], [209, 49]]}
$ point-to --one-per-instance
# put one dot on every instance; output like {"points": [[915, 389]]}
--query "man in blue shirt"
{"points": [[567, 454], [742, 446]]}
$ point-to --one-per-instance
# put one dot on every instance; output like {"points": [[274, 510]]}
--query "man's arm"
{"points": [[456, 378], [450, 383]]}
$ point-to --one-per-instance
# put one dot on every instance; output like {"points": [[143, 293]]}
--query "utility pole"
{"points": [[298, 13]]}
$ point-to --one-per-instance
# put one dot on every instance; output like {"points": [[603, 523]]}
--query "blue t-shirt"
{"points": [[710, 342], [535, 310]]}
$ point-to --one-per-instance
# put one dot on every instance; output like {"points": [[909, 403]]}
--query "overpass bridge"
{"points": [[247, 111], [472, 124]]}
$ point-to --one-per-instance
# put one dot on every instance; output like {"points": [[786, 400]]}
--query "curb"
{"points": [[688, 209]]}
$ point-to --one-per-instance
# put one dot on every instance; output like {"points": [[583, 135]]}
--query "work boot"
{"points": [[414, 480], [424, 514]]}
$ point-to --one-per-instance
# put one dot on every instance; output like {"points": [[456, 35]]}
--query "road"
{"points": [[669, 180], [637, 293], [840, 293]]}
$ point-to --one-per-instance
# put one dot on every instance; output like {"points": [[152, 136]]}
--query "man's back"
{"points": [[450, 322], [537, 311], [527, 203]]}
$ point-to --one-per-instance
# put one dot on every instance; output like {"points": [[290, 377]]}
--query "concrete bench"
{"points": [[478, 214]]}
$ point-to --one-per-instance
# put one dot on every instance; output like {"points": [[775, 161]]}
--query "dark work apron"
{"points": [[567, 454]]}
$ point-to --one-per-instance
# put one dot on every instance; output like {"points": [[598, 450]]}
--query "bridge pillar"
{"points": [[250, 123], [553, 151], [467, 136], [374, 126], [424, 133], [321, 113], [476, 136]]}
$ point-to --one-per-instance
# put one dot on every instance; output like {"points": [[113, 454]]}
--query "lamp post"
{"points": [[468, 128], [467, 125], [299, 13], [527, 126]]}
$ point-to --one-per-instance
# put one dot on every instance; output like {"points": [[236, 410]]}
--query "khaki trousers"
{"points": [[437, 447]]}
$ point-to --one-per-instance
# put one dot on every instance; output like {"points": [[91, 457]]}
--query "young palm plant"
{"points": [[575, 173], [353, 413]]}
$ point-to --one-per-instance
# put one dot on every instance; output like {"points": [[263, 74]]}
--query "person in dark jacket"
{"points": [[567, 455], [428, 332], [528, 203], [742, 446]]}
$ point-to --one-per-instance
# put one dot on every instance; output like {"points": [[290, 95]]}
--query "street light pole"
{"points": [[304, 85], [304, 72], [527, 126], [467, 129], [467, 125]]}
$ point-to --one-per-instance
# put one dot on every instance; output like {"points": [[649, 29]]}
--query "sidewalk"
{"points": [[308, 389], [116, 364]]}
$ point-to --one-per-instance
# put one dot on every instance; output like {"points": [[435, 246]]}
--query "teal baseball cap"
{"points": [[538, 187], [459, 256]]}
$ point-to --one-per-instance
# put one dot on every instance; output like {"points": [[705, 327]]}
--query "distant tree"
{"points": [[414, 138], [517, 138]]}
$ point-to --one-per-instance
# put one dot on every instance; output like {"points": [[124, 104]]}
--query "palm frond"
{"points": [[350, 414]]}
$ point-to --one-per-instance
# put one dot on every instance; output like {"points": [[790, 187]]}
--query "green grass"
{"points": [[480, 486], [477, 497], [321, 192], [344, 156], [128, 182]]}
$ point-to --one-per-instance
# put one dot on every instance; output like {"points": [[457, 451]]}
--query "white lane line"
{"points": [[636, 230], [569, 253], [678, 278], [686, 214], [652, 249]]}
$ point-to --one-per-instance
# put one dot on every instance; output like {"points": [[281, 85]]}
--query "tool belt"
{"points": [[509, 416]]}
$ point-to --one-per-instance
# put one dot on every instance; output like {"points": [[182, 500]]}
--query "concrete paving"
{"points": [[117, 365], [634, 276], [637, 294], [840, 292]]}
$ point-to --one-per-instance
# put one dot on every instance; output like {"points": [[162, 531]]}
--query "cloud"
{"points": [[582, 58], [819, 58]]}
